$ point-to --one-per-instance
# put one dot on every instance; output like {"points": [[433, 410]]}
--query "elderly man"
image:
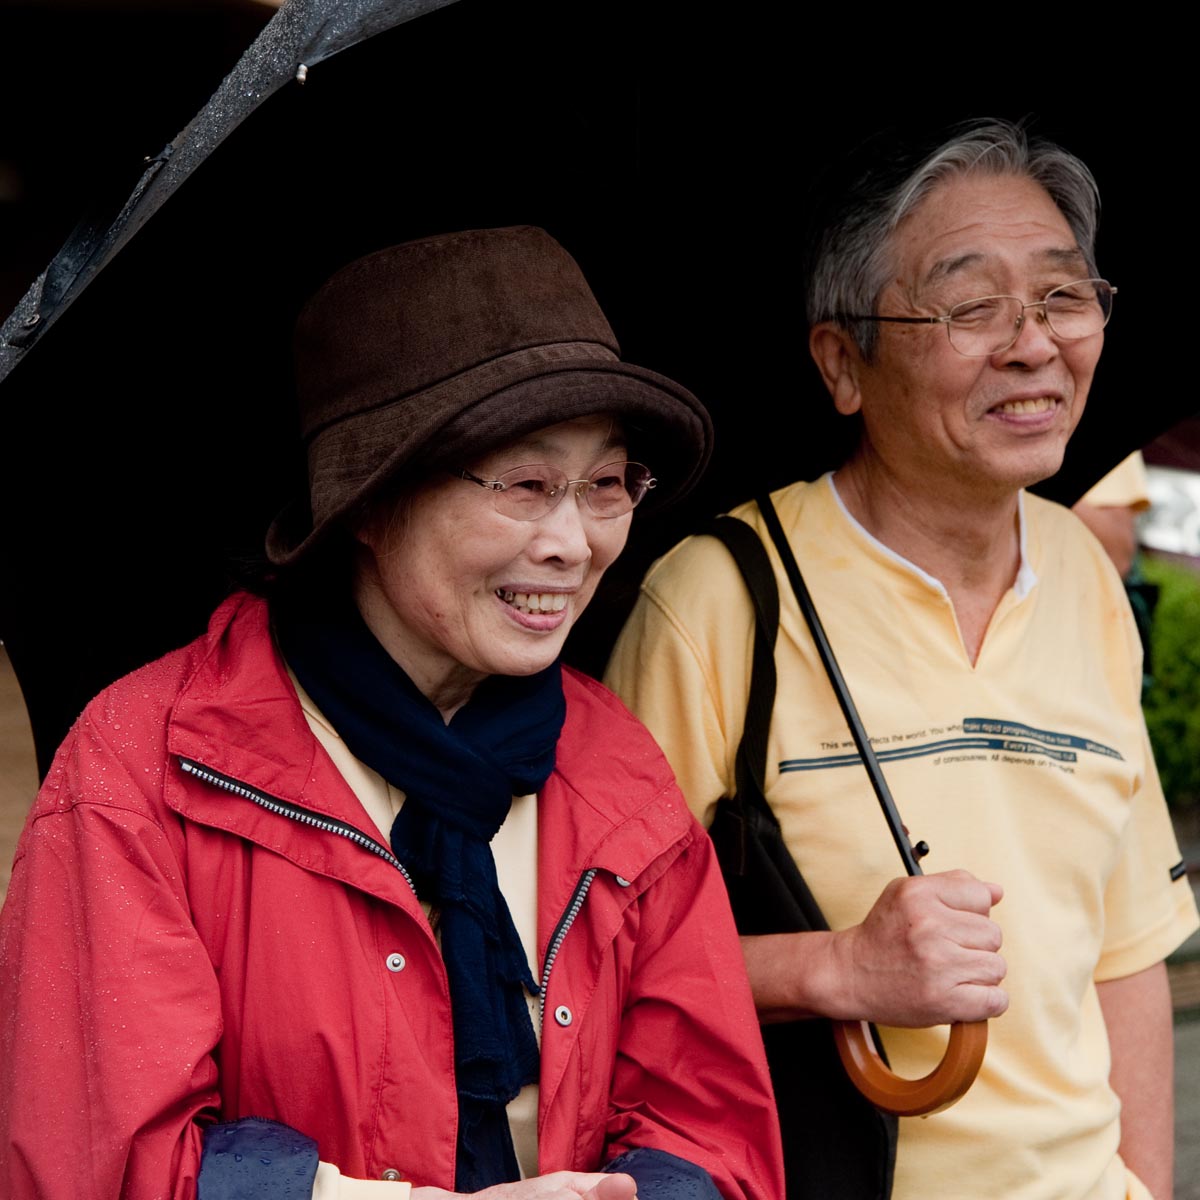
{"points": [[956, 313]]}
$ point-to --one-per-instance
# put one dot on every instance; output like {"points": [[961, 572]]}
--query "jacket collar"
{"points": [[238, 715]]}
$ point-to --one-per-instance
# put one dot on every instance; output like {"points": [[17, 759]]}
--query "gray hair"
{"points": [[850, 261]]}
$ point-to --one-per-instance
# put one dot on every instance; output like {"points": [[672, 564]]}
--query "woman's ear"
{"points": [[840, 362], [380, 522], [367, 530]]}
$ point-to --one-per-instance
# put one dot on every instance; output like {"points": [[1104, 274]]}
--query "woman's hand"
{"points": [[561, 1185]]}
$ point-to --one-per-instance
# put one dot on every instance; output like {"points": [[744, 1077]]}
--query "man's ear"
{"points": [[840, 363]]}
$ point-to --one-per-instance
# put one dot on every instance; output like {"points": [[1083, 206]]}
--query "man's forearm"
{"points": [[794, 976], [1137, 1013]]}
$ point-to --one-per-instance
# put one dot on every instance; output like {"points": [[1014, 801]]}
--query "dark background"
{"points": [[148, 437]]}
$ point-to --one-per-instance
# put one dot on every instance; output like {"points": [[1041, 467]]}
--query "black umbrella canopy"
{"points": [[145, 390]]}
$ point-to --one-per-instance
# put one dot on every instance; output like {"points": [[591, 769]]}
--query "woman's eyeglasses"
{"points": [[526, 493]]}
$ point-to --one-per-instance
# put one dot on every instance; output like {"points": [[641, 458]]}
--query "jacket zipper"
{"points": [[564, 923], [284, 808]]}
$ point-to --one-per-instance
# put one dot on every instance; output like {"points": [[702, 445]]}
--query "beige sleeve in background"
{"points": [[1124, 486]]}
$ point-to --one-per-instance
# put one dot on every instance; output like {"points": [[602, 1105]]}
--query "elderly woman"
{"points": [[363, 891]]}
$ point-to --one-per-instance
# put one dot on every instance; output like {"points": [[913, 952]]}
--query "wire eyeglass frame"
{"points": [[528, 492], [957, 321]]}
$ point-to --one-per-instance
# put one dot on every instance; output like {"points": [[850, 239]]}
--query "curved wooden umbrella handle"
{"points": [[945, 1084]]}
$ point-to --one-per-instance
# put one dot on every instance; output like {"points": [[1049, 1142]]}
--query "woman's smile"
{"points": [[539, 612]]}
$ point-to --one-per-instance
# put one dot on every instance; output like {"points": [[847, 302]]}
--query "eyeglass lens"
{"points": [[993, 323], [610, 491]]}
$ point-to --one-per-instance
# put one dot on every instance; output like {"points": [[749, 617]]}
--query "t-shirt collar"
{"points": [[1026, 577]]}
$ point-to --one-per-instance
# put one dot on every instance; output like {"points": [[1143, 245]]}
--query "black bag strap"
{"points": [[756, 819], [751, 557]]}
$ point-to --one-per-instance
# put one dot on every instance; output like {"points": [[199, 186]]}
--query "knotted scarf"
{"points": [[458, 780]]}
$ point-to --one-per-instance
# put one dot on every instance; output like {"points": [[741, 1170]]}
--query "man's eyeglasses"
{"points": [[526, 493], [991, 324]]}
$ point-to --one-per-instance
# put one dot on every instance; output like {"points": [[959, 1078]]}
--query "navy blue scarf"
{"points": [[458, 781]]}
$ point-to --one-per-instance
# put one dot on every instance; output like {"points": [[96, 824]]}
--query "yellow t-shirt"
{"points": [[1030, 768]]}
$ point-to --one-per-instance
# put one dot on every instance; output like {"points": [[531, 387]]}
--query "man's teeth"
{"points": [[1041, 404], [535, 602]]}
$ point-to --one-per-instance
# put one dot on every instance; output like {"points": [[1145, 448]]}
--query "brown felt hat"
{"points": [[433, 352]]}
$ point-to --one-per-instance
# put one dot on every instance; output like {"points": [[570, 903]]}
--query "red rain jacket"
{"points": [[174, 953]]}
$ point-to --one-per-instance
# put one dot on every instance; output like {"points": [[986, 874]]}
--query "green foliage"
{"points": [[1172, 703]]}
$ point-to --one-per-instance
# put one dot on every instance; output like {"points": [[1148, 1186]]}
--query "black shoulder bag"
{"points": [[837, 1145]]}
